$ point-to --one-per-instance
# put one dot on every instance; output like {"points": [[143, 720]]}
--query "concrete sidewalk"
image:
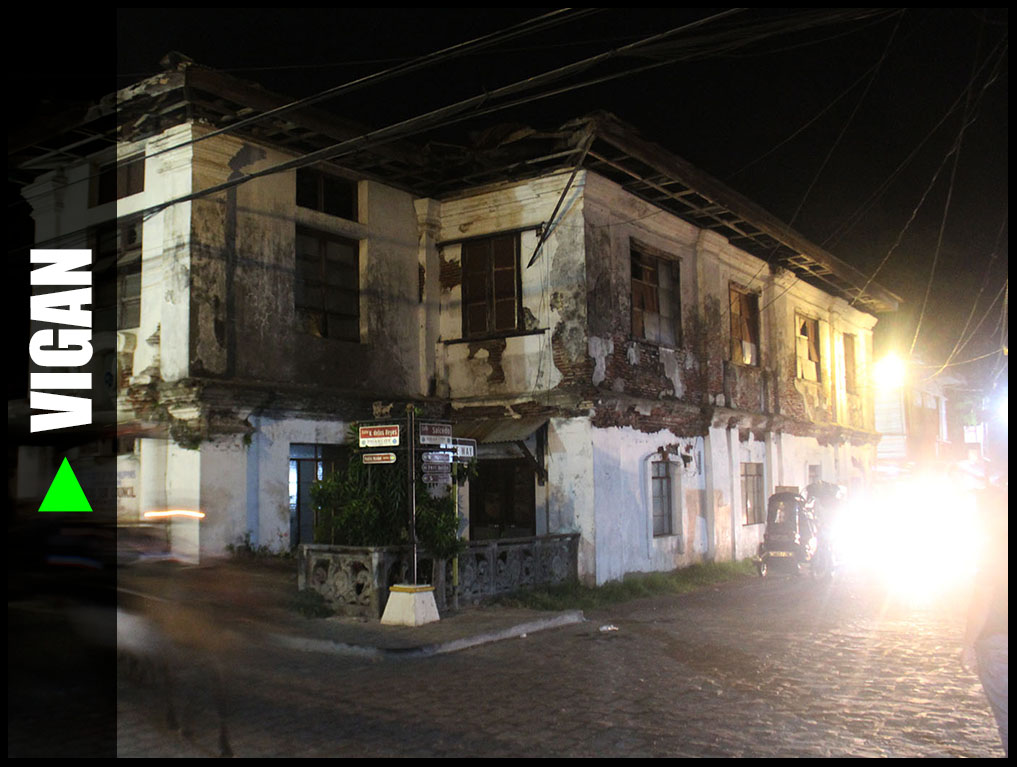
{"points": [[257, 598]]}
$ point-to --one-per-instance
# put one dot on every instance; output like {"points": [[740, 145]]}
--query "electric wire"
{"points": [[452, 52], [970, 115]]}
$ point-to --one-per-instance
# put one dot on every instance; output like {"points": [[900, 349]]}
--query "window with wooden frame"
{"points": [[850, 373], [326, 285], [492, 290], [656, 298], [807, 348], [117, 248], [744, 307], [753, 503], [326, 193], [117, 180], [660, 481]]}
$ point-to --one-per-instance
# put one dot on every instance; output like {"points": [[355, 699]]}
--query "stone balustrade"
{"points": [[355, 580]]}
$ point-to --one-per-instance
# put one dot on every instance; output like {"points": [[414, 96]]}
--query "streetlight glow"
{"points": [[889, 372]]}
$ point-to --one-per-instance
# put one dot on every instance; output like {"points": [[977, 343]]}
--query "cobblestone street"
{"points": [[781, 667]]}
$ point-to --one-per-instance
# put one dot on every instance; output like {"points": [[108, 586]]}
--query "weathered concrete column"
{"points": [[429, 228]]}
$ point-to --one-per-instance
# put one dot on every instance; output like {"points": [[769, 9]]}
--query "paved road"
{"points": [[781, 667]]}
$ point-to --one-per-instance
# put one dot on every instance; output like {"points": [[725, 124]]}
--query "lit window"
{"points": [[656, 303], [326, 285], [491, 289], [744, 326]]}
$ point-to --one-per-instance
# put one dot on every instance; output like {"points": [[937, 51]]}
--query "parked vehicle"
{"points": [[791, 539]]}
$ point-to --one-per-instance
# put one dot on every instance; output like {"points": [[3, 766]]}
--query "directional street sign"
{"points": [[371, 459], [437, 479], [436, 468], [441, 457], [379, 436], [466, 449], [436, 434]]}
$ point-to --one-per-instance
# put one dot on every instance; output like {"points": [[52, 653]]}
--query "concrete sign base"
{"points": [[410, 605]]}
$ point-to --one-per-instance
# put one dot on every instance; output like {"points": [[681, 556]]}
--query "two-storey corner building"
{"points": [[641, 354]]}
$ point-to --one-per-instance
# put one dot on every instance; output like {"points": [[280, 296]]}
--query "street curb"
{"points": [[422, 651]]}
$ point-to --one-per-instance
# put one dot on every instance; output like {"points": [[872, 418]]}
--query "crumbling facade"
{"points": [[603, 325]]}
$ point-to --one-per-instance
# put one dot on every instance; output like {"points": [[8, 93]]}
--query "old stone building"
{"points": [[641, 353]]}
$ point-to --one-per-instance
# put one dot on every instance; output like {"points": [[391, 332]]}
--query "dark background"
{"points": [[861, 91]]}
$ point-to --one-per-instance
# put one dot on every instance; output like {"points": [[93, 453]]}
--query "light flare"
{"points": [[921, 537], [174, 513]]}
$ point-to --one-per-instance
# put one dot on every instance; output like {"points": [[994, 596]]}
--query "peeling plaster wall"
{"points": [[845, 464], [624, 539], [244, 317], [621, 363], [61, 211], [550, 350], [570, 488], [242, 488], [248, 485], [825, 402]]}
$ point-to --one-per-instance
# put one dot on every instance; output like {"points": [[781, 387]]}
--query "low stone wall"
{"points": [[491, 568], [355, 580]]}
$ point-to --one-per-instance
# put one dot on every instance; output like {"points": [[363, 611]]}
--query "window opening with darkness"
{"points": [[491, 286], [656, 302], [327, 285], [327, 193]]}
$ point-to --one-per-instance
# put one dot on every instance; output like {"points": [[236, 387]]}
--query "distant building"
{"points": [[641, 353], [915, 421]]}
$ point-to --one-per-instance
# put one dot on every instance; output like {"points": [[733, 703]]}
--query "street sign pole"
{"points": [[455, 559], [413, 486]]}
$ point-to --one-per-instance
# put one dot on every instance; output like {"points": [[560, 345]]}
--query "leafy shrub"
{"points": [[358, 506]]}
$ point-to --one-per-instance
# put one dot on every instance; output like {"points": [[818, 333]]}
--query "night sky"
{"points": [[808, 113]]}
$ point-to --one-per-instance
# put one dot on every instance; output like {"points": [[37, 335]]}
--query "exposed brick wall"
{"points": [[450, 273]]}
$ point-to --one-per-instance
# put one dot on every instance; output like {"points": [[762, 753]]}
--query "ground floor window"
{"points": [[815, 473], [308, 464], [503, 500], [753, 501], [660, 481]]}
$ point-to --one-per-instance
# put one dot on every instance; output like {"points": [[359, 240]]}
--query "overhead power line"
{"points": [[540, 23]]}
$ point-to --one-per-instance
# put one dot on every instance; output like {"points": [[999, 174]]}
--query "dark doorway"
{"points": [[308, 464], [503, 500]]}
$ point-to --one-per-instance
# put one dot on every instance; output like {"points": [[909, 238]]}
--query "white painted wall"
{"points": [[623, 533], [570, 487]]}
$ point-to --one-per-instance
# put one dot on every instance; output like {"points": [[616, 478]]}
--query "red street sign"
{"points": [[374, 458], [379, 436]]}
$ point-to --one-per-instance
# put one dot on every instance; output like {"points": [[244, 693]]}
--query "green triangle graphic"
{"points": [[65, 493]]}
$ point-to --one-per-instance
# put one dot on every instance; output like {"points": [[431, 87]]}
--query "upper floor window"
{"points": [[656, 299], [327, 193], [850, 375], [117, 180], [491, 286], [807, 348], [744, 326], [326, 285], [117, 249]]}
